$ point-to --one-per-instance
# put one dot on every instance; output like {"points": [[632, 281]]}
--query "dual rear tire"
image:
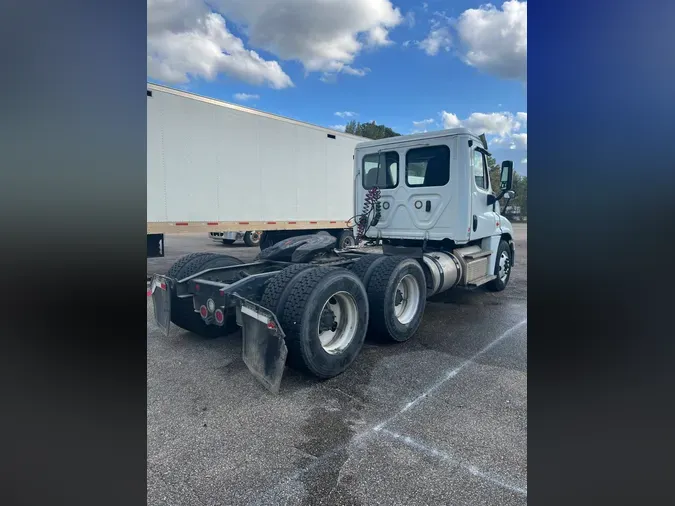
{"points": [[182, 311], [397, 295], [326, 311], [324, 314]]}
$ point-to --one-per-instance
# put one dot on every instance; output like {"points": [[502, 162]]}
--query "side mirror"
{"points": [[506, 178], [509, 194]]}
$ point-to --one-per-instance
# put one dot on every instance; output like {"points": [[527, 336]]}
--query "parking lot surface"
{"points": [[440, 419]]}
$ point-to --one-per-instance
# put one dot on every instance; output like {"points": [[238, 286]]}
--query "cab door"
{"points": [[483, 218]]}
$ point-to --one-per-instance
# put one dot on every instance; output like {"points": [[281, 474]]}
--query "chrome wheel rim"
{"points": [[255, 237], [406, 299], [504, 266], [338, 322]]}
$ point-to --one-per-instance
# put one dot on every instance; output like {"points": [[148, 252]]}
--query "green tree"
{"points": [[369, 130]]}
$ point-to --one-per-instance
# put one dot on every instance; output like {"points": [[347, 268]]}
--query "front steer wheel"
{"points": [[503, 266], [324, 314]]}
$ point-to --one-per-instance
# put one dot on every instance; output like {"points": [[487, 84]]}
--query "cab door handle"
{"points": [[428, 207]]}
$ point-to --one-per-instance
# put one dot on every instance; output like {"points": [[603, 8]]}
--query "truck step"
{"points": [[480, 254], [482, 281]]}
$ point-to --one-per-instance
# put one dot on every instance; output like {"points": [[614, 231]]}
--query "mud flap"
{"points": [[263, 347], [161, 301]]}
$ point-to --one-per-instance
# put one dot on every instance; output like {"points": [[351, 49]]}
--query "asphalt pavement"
{"points": [[440, 419]]}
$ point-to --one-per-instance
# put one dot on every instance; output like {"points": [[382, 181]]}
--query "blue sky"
{"points": [[408, 64]]}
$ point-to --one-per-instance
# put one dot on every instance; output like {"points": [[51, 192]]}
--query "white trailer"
{"points": [[218, 167]]}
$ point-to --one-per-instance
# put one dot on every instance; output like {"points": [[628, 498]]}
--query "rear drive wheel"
{"points": [[252, 238], [324, 313], [397, 296], [182, 310], [365, 266], [277, 289], [502, 268]]}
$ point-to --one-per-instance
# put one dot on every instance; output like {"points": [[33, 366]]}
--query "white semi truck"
{"points": [[236, 172], [427, 221]]}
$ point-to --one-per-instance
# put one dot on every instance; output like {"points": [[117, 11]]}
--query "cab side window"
{"points": [[480, 172]]}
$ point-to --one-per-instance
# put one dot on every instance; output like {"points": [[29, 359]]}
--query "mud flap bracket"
{"points": [[263, 347], [160, 288]]}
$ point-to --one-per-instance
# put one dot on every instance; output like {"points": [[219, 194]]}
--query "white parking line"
{"points": [[408, 441], [379, 428], [449, 375]]}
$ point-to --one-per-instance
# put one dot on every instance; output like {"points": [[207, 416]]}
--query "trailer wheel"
{"points": [[182, 310], [397, 295], [252, 239], [502, 268], [346, 239], [324, 313]]}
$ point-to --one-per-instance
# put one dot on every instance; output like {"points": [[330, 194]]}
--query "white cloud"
{"points": [[243, 97], [423, 123], [520, 140], [504, 127], [495, 40], [186, 40], [410, 18], [496, 123], [438, 38], [355, 72], [339, 128], [346, 114], [425, 6], [450, 120], [189, 38], [325, 36]]}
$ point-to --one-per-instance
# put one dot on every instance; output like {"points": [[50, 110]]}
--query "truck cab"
{"points": [[432, 192], [433, 187]]}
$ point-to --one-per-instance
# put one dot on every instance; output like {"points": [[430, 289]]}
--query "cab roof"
{"points": [[415, 137]]}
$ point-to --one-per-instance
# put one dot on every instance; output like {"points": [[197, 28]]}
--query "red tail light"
{"points": [[220, 317], [203, 311]]}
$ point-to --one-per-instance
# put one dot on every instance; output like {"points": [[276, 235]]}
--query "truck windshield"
{"points": [[381, 170]]}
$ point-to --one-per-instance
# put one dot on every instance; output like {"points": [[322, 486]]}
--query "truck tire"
{"points": [[397, 293], [278, 287], [229, 242], [182, 261], [345, 239], [182, 310], [365, 266], [252, 239], [324, 314], [502, 268]]}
